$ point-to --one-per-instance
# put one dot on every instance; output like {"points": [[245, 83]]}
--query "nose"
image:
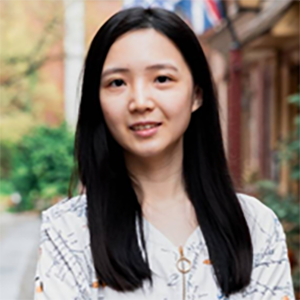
{"points": [[140, 98]]}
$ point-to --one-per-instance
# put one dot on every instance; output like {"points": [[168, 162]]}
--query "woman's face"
{"points": [[145, 79]]}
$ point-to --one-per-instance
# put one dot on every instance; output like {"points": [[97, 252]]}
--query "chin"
{"points": [[146, 153]]}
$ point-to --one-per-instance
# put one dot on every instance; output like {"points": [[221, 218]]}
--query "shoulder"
{"points": [[65, 261], [75, 206], [255, 208], [271, 273], [263, 223], [67, 217]]}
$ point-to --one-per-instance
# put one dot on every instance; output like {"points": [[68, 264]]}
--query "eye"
{"points": [[118, 82], [163, 79]]}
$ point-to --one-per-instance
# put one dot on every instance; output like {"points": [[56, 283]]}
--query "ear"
{"points": [[197, 98]]}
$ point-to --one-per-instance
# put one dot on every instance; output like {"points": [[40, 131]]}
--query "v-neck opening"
{"points": [[167, 240]]}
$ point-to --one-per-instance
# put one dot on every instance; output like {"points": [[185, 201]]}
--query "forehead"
{"points": [[142, 47]]}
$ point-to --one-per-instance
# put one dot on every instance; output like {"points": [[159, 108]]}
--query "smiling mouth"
{"points": [[144, 127]]}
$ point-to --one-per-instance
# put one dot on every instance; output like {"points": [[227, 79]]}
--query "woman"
{"points": [[160, 218]]}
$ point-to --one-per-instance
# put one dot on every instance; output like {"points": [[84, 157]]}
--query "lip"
{"points": [[144, 123], [147, 132]]}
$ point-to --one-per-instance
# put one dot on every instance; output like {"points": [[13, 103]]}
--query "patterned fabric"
{"points": [[65, 267]]}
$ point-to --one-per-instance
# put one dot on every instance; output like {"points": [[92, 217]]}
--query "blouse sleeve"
{"points": [[58, 274], [271, 276]]}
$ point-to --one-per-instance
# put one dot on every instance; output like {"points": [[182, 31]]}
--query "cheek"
{"points": [[178, 113], [178, 108], [113, 116]]}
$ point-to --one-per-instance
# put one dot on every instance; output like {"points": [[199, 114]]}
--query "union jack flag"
{"points": [[200, 14], [206, 14]]}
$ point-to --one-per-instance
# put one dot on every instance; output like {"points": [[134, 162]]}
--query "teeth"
{"points": [[142, 127]]}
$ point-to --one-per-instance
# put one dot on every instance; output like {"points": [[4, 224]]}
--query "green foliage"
{"points": [[6, 187], [42, 165], [7, 149], [294, 99], [293, 146], [285, 207]]}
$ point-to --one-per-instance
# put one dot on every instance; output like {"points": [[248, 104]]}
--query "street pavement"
{"points": [[19, 242]]}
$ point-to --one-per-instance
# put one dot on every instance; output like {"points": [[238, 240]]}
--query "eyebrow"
{"points": [[114, 70], [162, 66], [125, 70]]}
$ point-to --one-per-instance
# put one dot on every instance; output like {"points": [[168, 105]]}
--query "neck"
{"points": [[159, 178]]}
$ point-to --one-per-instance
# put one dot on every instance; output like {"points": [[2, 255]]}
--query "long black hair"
{"points": [[112, 204]]}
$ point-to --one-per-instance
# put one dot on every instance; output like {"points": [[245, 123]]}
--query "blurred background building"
{"points": [[253, 50], [260, 53]]}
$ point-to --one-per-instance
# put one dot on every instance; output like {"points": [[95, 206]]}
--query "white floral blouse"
{"points": [[65, 268]]}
